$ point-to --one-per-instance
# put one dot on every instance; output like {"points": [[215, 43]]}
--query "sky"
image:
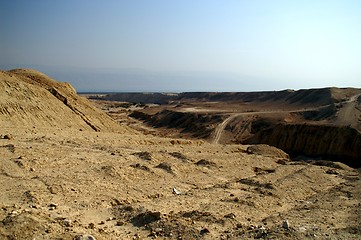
{"points": [[188, 45]]}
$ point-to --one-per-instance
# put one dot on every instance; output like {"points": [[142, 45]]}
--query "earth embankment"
{"points": [[198, 125], [327, 142]]}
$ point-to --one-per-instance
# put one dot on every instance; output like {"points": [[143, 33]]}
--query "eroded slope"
{"points": [[32, 99]]}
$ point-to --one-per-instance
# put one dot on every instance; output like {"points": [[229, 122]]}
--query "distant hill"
{"points": [[304, 97]]}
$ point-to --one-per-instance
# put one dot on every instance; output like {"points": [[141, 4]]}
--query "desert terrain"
{"points": [[310, 123], [185, 169]]}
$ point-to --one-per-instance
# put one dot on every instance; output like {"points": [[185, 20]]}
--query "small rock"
{"points": [[14, 213], [146, 218], [204, 231], [165, 166], [136, 236], [84, 237], [261, 232], [53, 206], [143, 155], [332, 171], [176, 191], [119, 223], [239, 225], [286, 224], [158, 230], [91, 225], [8, 136], [230, 215], [204, 162], [67, 222], [282, 161]]}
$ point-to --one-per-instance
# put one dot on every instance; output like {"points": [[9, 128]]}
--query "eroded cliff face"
{"points": [[199, 125], [337, 143]]}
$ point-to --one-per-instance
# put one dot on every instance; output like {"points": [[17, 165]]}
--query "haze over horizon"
{"points": [[185, 45]]}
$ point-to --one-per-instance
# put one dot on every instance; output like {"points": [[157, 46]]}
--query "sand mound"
{"points": [[31, 99]]}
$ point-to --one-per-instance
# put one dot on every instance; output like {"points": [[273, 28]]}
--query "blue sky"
{"points": [[186, 45]]}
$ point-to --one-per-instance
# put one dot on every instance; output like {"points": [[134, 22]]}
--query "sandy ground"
{"points": [[68, 171], [60, 184]]}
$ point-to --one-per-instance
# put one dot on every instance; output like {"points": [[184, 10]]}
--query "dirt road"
{"points": [[347, 114]]}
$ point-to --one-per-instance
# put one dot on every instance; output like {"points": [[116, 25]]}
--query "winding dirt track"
{"points": [[219, 130], [347, 115]]}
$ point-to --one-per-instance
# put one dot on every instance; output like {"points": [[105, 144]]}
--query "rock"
{"points": [[179, 155], [268, 151], [53, 206], [158, 230], [176, 191], [286, 224], [67, 222], [146, 218], [204, 231], [282, 161], [165, 166], [141, 167], [14, 213], [84, 237], [230, 215], [261, 232], [332, 171], [143, 155], [8, 136], [119, 223], [204, 162]]}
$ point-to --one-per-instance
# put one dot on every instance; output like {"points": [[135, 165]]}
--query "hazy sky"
{"points": [[257, 44]]}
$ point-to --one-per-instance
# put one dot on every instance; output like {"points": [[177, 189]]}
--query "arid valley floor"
{"points": [[70, 171]]}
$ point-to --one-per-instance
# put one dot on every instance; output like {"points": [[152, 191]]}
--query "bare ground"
{"points": [[67, 171], [59, 184]]}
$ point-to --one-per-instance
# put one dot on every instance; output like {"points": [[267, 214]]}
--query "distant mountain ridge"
{"points": [[304, 97]]}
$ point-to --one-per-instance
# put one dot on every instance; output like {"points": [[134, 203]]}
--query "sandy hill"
{"points": [[32, 99], [107, 182]]}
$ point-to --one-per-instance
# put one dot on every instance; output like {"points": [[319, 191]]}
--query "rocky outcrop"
{"points": [[330, 142]]}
